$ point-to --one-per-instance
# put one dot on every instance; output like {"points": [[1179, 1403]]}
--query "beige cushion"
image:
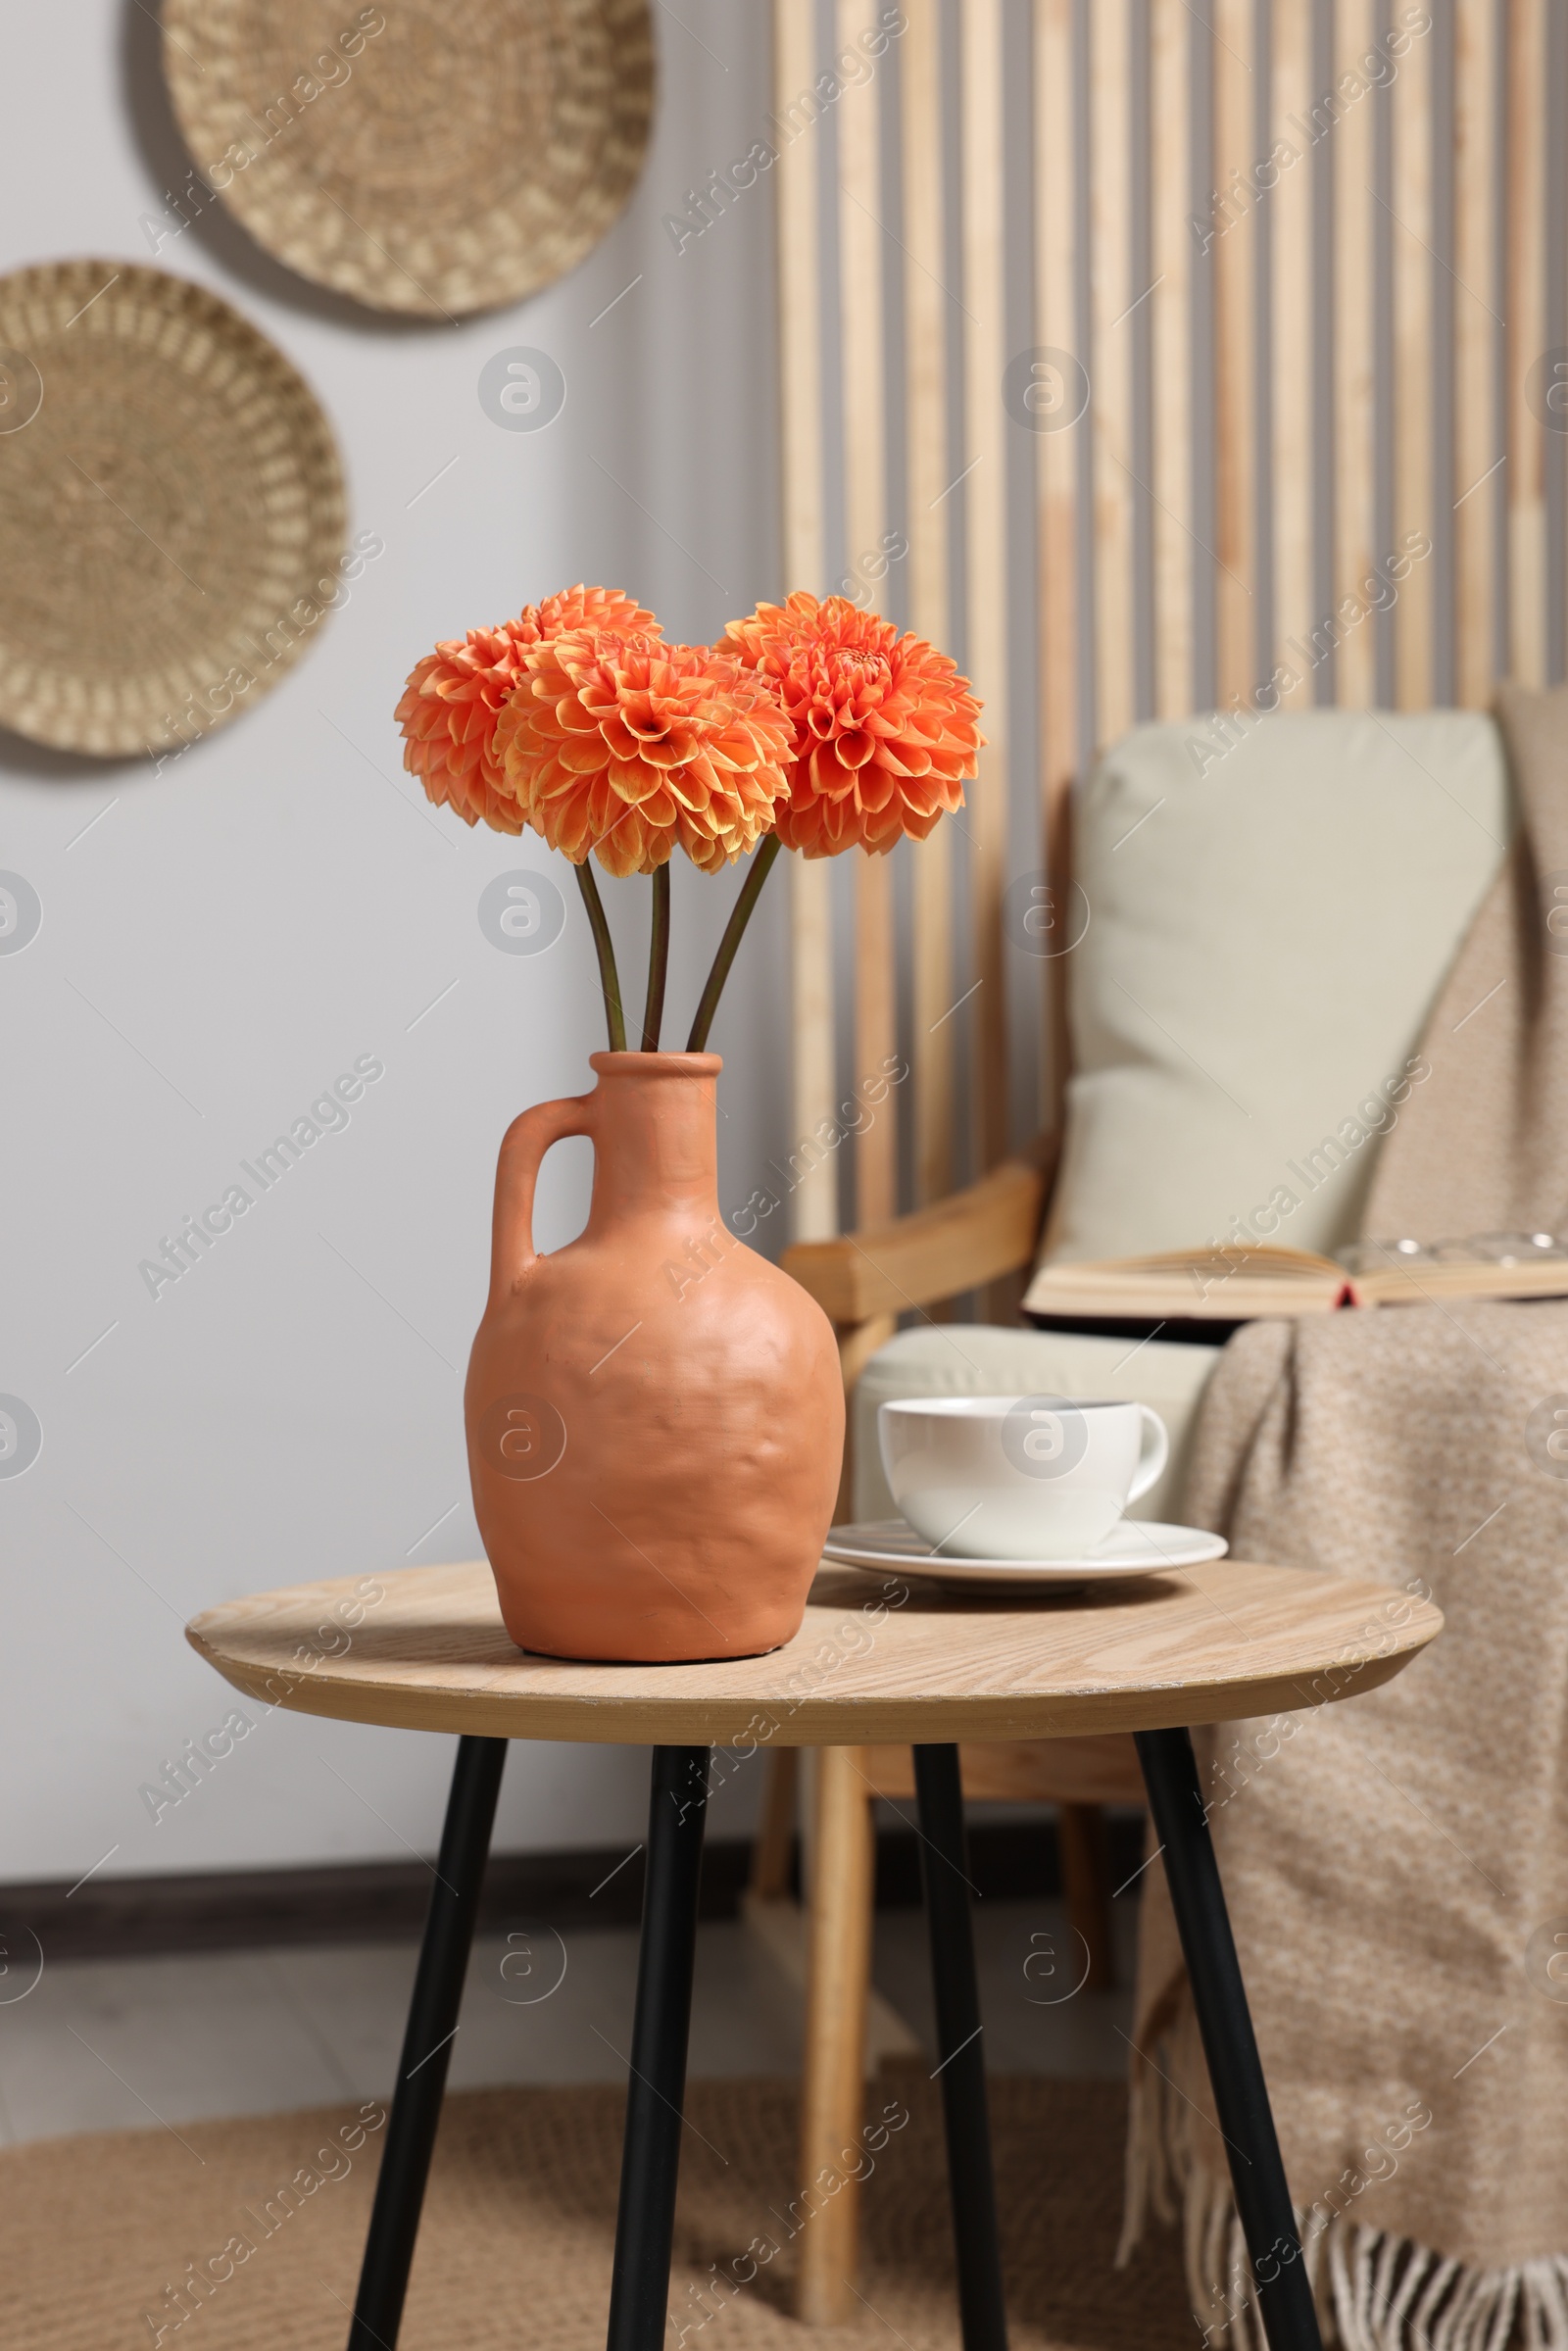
{"points": [[1268, 925], [980, 1359]]}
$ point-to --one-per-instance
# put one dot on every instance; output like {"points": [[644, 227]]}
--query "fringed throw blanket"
{"points": [[1398, 1865]]}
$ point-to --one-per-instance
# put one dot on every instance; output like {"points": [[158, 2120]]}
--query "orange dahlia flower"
{"points": [[455, 696], [618, 744], [885, 729]]}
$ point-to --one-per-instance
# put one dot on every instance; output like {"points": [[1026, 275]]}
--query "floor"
{"points": [[104, 2046]]}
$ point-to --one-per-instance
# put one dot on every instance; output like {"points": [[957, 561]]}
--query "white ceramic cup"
{"points": [[1019, 1477]]}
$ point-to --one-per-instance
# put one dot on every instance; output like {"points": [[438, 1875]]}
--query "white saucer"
{"points": [[1133, 1547]]}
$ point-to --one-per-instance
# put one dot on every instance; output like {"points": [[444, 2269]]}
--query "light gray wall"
{"points": [[220, 940]]}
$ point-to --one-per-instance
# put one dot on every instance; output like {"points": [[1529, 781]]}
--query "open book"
{"points": [[1238, 1282]]}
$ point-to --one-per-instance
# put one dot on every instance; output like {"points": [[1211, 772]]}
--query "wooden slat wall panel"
{"points": [[1477, 306], [814, 1202], [926, 399], [1527, 336], [1170, 39], [1498, 448], [986, 517], [1356, 663], [876, 1149], [1414, 359], [800, 279], [1235, 224], [927, 506], [861, 248], [1110, 366], [1056, 480], [1291, 206]]}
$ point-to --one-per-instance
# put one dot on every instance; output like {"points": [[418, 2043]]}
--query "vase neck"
{"points": [[655, 1128]]}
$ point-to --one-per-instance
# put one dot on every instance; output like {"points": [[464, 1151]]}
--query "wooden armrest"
{"points": [[959, 1244]]}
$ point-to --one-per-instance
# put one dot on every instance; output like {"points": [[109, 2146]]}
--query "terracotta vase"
{"points": [[655, 1413]]}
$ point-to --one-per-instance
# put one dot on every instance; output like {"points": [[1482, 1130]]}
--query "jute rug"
{"points": [[515, 2247]]}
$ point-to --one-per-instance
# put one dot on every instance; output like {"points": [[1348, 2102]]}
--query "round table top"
{"points": [[877, 1660]]}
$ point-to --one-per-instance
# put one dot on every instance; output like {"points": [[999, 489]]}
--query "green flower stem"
{"points": [[605, 947], [658, 960], [734, 929]]}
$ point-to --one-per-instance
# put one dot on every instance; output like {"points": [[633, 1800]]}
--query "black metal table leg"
{"points": [[1219, 1997], [645, 2224], [944, 1863], [427, 2045]]}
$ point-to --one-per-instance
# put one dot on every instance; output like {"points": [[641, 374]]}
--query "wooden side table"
{"points": [[872, 1663]]}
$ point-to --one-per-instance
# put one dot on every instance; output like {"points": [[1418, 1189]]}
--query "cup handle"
{"points": [[1154, 1454]]}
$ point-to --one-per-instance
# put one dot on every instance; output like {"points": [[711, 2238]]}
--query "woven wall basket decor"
{"points": [[420, 156], [170, 509]]}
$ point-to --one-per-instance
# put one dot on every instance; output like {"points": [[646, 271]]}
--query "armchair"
{"points": [[1280, 1015]]}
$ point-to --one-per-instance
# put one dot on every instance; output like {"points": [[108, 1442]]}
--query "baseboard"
{"points": [[124, 1918]]}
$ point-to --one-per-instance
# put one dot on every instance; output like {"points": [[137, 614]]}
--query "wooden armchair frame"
{"points": [[865, 1281]]}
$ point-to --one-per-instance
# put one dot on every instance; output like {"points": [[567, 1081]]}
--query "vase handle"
{"points": [[522, 1149]]}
